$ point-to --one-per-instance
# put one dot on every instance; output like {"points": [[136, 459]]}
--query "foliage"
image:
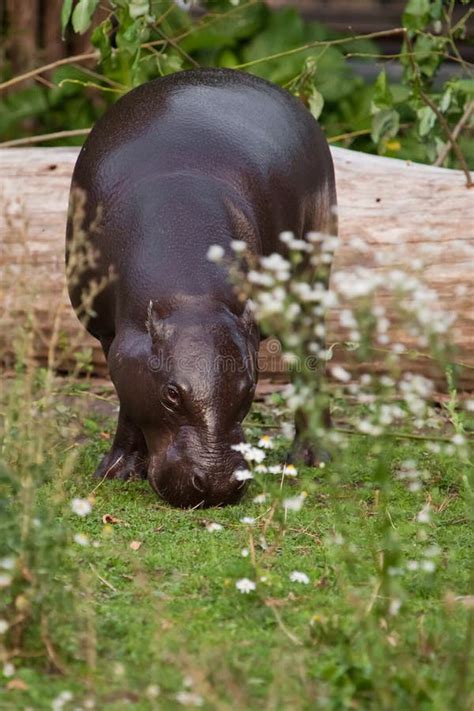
{"points": [[138, 40], [382, 623], [338, 587]]}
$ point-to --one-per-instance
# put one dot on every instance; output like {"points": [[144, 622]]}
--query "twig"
{"points": [[351, 134], [103, 580], [373, 597], [52, 656], [119, 459], [176, 46], [400, 435], [445, 125], [455, 133], [323, 43], [28, 140], [46, 67], [293, 638], [354, 134]]}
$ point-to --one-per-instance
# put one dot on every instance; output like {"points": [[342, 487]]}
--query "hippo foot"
{"points": [[308, 455], [123, 465]]}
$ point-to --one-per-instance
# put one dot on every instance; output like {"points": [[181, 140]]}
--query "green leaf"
{"points": [[385, 125], [464, 86], [417, 14], [426, 120], [226, 30], [139, 8], [65, 15], [383, 98], [101, 38], [446, 100], [315, 102], [428, 53], [82, 15], [436, 9]]}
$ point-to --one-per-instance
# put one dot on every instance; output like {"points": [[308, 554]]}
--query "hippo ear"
{"points": [[156, 324]]}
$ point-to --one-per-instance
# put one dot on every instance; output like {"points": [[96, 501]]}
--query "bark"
{"points": [[391, 213]]}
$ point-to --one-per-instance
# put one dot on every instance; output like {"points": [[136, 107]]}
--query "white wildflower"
{"points": [[8, 563], [5, 580], [248, 520], [294, 503], [189, 698], [286, 237], [8, 669], [275, 263], [297, 577], [340, 374], [238, 245], [259, 279], [260, 499], [81, 507], [185, 5], [244, 585], [428, 566], [266, 442], [152, 691], [275, 469], [81, 539], [290, 470], [3, 626], [213, 527], [215, 253], [244, 552], [424, 516], [394, 607], [242, 474]]}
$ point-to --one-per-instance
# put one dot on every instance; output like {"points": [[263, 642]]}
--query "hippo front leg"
{"points": [[305, 450], [128, 456]]}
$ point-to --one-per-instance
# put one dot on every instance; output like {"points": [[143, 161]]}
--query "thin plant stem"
{"points": [[28, 140], [322, 43], [444, 124], [456, 131], [47, 67]]}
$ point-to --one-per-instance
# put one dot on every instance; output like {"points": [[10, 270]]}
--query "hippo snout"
{"points": [[188, 484]]}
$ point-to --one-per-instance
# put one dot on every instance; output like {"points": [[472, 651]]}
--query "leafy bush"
{"points": [[424, 116]]}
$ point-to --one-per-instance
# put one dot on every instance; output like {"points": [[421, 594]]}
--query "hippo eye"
{"points": [[171, 395]]}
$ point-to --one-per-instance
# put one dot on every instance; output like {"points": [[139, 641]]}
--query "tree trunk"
{"points": [[390, 213], [54, 46]]}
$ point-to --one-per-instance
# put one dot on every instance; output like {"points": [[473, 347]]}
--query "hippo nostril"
{"points": [[198, 482]]}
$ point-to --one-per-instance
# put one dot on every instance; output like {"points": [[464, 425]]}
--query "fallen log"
{"points": [[391, 213]]}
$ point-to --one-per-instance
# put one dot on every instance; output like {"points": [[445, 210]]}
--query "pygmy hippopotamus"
{"points": [[194, 159]]}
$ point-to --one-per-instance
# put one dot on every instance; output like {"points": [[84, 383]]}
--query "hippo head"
{"points": [[191, 397]]}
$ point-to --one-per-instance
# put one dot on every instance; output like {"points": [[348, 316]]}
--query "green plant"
{"points": [[420, 117]]}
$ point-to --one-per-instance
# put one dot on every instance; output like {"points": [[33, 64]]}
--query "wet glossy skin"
{"points": [[198, 158]]}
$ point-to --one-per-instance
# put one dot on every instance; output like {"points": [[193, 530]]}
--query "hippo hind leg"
{"points": [[305, 450], [128, 456]]}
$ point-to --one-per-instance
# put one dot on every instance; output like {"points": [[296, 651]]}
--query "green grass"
{"points": [[169, 613]]}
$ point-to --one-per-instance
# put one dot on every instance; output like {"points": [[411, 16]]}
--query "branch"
{"points": [[445, 125], [321, 43], [456, 131], [28, 140], [46, 67]]}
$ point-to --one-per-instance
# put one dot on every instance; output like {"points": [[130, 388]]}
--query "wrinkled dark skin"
{"points": [[190, 160]]}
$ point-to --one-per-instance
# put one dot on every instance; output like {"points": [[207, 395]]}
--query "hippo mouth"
{"points": [[189, 488]]}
